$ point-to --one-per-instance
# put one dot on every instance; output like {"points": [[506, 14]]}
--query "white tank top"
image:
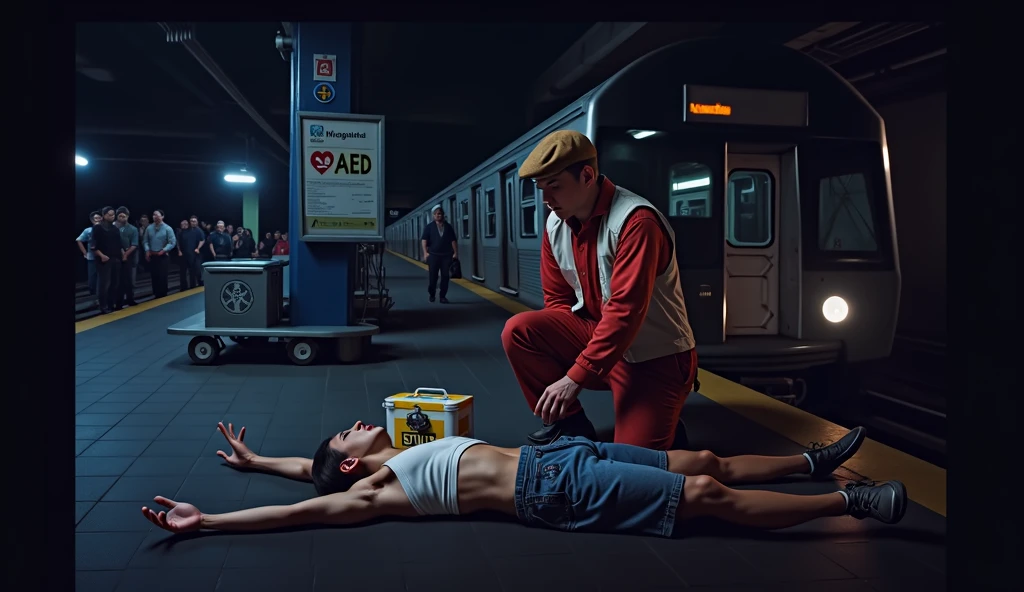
{"points": [[429, 474]]}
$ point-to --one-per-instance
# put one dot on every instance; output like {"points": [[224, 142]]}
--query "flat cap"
{"points": [[555, 153]]}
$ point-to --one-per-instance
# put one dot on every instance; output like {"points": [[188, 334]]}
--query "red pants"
{"points": [[542, 345]]}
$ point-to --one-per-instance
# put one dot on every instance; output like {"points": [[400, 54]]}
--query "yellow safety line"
{"points": [[926, 483], [96, 321]]}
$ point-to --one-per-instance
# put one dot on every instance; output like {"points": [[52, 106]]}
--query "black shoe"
{"points": [[574, 425], [431, 297], [444, 300], [828, 458], [681, 440], [885, 502]]}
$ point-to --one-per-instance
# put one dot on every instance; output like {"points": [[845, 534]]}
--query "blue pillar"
{"points": [[319, 273]]}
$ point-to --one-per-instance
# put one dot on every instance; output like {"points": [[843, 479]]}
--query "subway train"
{"points": [[774, 174]]}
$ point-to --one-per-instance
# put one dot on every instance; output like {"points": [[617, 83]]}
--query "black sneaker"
{"points": [[827, 459], [431, 297], [574, 425], [444, 300], [885, 502]]}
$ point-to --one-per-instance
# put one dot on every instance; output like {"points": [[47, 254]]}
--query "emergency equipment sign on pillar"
{"points": [[323, 68], [343, 177]]}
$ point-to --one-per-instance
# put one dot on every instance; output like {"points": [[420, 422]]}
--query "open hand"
{"points": [[241, 456], [556, 400], [181, 517]]}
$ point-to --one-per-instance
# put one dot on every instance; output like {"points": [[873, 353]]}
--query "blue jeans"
{"points": [[575, 484]]}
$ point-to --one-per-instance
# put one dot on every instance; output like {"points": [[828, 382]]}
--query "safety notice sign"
{"points": [[324, 68]]}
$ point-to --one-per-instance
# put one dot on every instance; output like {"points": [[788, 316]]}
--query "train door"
{"points": [[751, 251], [478, 263], [509, 239]]}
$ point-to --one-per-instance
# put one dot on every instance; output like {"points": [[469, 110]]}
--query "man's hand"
{"points": [[241, 456], [147, 255], [455, 256], [425, 257], [181, 517], [556, 400], [104, 258]]}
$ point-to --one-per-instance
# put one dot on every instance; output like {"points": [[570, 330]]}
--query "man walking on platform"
{"points": [[614, 316], [440, 247]]}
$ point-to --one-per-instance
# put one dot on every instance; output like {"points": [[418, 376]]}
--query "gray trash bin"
{"points": [[243, 294]]}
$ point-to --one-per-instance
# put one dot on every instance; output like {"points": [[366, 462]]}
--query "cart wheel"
{"points": [[302, 352], [203, 350]]}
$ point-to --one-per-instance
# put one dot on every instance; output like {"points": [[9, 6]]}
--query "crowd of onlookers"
{"points": [[115, 248]]}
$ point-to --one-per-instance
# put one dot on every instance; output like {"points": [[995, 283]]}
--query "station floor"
{"points": [[146, 425]]}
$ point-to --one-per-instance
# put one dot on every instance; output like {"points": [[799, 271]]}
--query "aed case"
{"points": [[426, 415]]}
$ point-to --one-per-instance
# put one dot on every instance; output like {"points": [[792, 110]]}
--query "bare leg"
{"points": [[706, 497], [736, 469]]}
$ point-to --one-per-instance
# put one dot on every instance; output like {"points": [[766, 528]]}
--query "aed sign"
{"points": [[324, 68], [744, 106]]}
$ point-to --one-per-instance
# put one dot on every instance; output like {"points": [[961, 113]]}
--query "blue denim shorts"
{"points": [[575, 484]]}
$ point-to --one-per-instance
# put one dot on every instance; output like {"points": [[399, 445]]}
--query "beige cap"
{"points": [[555, 153]]}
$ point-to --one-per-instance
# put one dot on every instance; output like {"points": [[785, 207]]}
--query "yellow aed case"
{"points": [[426, 415]]}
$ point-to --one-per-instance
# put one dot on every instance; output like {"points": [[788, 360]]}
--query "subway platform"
{"points": [[146, 425]]}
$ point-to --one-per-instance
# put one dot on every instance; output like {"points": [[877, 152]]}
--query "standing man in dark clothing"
{"points": [[190, 244], [245, 246], [440, 246], [158, 242], [220, 243], [130, 259], [107, 239]]}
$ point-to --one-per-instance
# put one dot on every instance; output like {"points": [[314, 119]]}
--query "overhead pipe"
{"points": [[186, 38], [898, 65], [165, 161], [145, 133]]}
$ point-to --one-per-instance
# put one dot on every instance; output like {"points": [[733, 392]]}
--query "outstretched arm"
{"points": [[241, 457], [349, 507]]}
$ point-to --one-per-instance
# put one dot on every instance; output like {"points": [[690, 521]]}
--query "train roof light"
{"points": [[641, 134], [81, 161], [835, 309]]}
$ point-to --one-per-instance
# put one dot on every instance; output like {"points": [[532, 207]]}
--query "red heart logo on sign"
{"points": [[321, 161]]}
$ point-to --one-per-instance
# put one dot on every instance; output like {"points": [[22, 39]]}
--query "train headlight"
{"points": [[835, 309]]}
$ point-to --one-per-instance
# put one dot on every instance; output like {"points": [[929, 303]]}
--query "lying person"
{"points": [[571, 484]]}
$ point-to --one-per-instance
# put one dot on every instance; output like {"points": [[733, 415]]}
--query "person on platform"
{"points": [[614, 316], [572, 484], [440, 247]]}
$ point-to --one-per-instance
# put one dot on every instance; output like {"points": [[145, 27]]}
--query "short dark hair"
{"points": [[123, 210], [326, 471], [576, 169], [93, 214], [105, 209], [159, 211]]}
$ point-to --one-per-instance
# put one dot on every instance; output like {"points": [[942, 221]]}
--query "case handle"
{"points": [[424, 391]]}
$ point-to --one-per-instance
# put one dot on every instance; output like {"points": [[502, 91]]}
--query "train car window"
{"points": [[491, 212], [451, 207], [464, 216], [689, 190], [750, 222], [845, 219], [528, 209]]}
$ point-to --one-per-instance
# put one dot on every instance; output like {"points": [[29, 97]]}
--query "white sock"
{"points": [[846, 496], [808, 457]]}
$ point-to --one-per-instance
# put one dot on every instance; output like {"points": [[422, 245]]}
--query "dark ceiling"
{"points": [[143, 102]]}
